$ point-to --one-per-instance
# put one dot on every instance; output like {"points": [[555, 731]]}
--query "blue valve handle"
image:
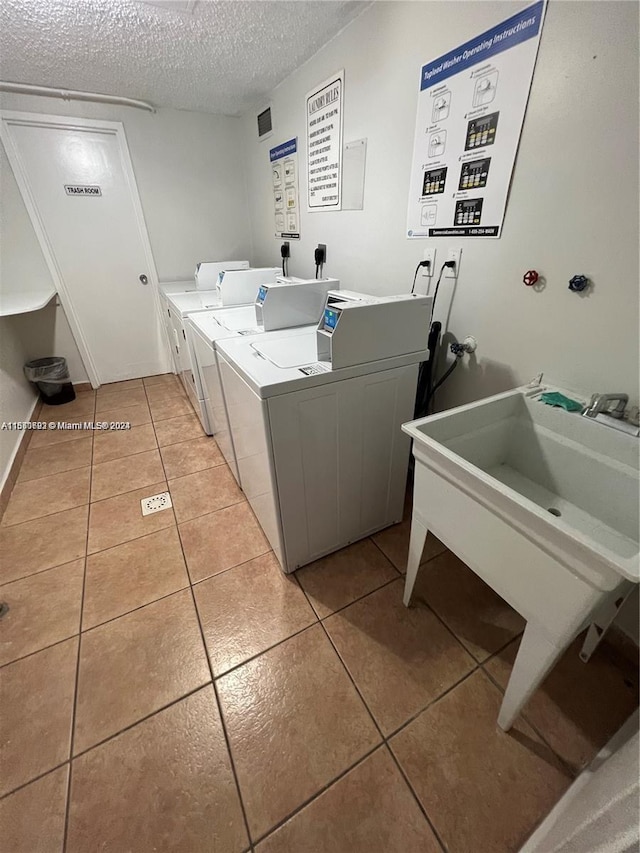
{"points": [[578, 283]]}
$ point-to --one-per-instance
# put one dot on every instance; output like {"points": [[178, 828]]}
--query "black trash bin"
{"points": [[51, 375]]}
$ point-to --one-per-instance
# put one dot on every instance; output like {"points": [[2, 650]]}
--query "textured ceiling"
{"points": [[218, 56]]}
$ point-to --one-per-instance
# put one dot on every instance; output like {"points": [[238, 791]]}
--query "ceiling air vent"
{"points": [[265, 127]]}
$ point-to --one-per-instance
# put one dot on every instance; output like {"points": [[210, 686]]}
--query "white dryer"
{"points": [[315, 420], [241, 288], [294, 305]]}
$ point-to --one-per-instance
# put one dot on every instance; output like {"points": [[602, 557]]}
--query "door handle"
{"points": [[143, 279]]}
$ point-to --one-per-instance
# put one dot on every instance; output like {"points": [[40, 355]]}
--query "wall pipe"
{"points": [[70, 94]]}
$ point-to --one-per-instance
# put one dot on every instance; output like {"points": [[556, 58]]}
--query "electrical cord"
{"points": [[446, 264], [426, 264]]}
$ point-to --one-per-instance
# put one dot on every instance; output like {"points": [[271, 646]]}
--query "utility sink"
{"points": [[540, 503]]}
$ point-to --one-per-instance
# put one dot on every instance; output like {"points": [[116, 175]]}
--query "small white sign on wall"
{"points": [[324, 108], [284, 179]]}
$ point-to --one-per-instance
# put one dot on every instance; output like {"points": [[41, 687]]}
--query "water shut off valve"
{"points": [[578, 283], [468, 345], [530, 278]]}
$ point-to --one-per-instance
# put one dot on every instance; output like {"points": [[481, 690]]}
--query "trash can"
{"points": [[51, 375]]}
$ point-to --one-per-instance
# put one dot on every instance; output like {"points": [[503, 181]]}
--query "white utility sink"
{"points": [[544, 506]]}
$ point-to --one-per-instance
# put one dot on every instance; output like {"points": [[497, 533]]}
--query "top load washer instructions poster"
{"points": [[471, 109], [324, 144], [284, 177]]}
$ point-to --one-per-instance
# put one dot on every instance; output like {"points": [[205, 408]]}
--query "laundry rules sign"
{"points": [[324, 144]]}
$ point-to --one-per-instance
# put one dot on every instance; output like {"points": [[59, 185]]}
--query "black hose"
{"points": [[442, 380]]}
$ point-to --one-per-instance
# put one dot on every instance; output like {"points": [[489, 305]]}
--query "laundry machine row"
{"points": [[232, 287]]}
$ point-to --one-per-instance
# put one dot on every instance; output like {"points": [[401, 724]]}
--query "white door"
{"points": [[78, 185]]}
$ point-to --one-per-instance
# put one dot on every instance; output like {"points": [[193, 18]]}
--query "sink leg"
{"points": [[416, 547], [603, 619], [536, 656]]}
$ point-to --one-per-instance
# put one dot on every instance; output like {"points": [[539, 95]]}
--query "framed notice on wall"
{"points": [[324, 107], [471, 108], [284, 178]]}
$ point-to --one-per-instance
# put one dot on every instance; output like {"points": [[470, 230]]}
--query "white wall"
{"points": [[189, 172], [573, 205]]}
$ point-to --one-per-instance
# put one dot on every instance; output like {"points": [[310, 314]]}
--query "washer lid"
{"points": [[289, 352], [237, 319]]}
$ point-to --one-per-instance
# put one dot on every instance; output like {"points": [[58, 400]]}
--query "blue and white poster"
{"points": [[471, 108], [284, 179]]}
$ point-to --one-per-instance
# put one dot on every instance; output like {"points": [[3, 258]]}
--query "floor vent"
{"points": [[156, 503]]}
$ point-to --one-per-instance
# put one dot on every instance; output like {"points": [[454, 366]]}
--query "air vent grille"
{"points": [[264, 123]]}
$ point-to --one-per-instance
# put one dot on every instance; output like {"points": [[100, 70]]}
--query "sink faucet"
{"points": [[599, 404]]}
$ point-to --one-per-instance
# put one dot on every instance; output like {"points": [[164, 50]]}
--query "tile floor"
{"points": [[164, 687]]}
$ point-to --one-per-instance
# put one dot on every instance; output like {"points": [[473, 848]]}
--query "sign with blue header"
{"points": [[284, 179], [471, 109]]}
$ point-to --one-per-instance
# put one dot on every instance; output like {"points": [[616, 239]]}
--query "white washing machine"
{"points": [[204, 278], [315, 421], [294, 305], [234, 287]]}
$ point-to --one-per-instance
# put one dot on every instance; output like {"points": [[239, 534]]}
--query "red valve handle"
{"points": [[530, 277]]}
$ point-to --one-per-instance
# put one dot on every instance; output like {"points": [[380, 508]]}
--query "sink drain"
{"points": [[554, 511]]}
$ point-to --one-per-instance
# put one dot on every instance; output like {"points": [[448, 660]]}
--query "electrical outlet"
{"points": [[429, 255], [453, 255]]}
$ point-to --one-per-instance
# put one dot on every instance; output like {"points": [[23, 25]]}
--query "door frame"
{"points": [[116, 128]]}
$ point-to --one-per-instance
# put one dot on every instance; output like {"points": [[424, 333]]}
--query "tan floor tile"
{"points": [[114, 444], [337, 580], [166, 391], [36, 697], [187, 457], [126, 474], [128, 576], [172, 407], [294, 722], [483, 789], [109, 400], [123, 385], [38, 498], [82, 407], [44, 461], [178, 429], [394, 542], [41, 544], [400, 658], [134, 665], [480, 619], [248, 609], [160, 379], [43, 609], [221, 540], [370, 810], [54, 436], [32, 819], [168, 783], [580, 705], [119, 519], [204, 492], [134, 415]]}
